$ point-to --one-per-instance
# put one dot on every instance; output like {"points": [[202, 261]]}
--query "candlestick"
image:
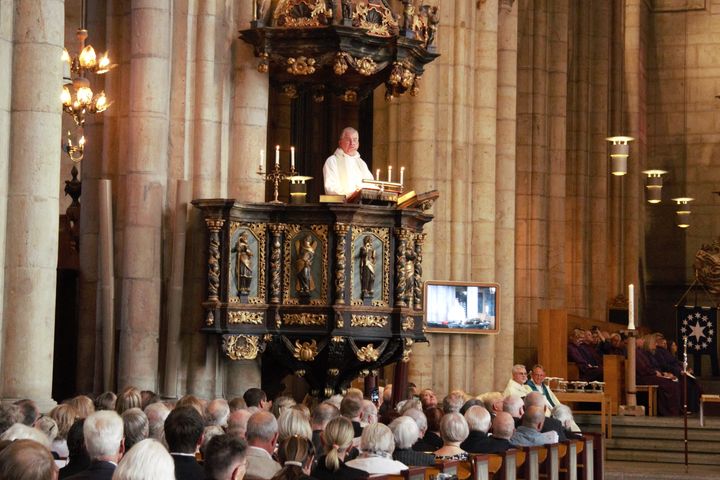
{"points": [[262, 159], [389, 173], [277, 155], [402, 174], [377, 174], [292, 158], [631, 307]]}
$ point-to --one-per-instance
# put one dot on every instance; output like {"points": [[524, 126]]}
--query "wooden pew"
{"points": [[534, 457], [480, 466], [569, 463], [412, 473], [551, 467]]}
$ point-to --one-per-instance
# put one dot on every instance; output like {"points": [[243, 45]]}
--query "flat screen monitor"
{"points": [[461, 307]]}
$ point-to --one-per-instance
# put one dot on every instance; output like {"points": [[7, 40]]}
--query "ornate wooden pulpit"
{"points": [[331, 291]]}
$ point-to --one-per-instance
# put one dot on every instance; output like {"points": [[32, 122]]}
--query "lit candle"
{"points": [[377, 175], [402, 174], [262, 159], [631, 307], [389, 173], [277, 155], [292, 158]]}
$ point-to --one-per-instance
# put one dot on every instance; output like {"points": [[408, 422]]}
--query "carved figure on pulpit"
{"points": [[243, 264], [367, 267], [305, 250], [346, 10], [410, 257], [433, 20]]}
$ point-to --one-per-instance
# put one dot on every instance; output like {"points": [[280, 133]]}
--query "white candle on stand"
{"points": [[292, 158], [277, 155], [389, 173], [631, 307], [402, 174], [377, 175], [262, 159]]}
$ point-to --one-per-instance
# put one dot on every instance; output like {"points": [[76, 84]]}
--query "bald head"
{"points": [[534, 399], [513, 405], [237, 422], [534, 417], [503, 426]]}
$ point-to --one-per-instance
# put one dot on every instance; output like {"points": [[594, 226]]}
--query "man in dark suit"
{"points": [[478, 420], [103, 432], [183, 433], [503, 428], [78, 458]]}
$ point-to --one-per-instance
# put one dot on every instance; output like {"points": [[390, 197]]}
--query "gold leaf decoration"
{"points": [[408, 324], [368, 321], [245, 318], [305, 351], [305, 319], [241, 347], [368, 353]]}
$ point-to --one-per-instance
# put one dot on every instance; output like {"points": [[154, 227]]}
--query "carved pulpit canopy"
{"points": [[343, 47], [707, 266]]}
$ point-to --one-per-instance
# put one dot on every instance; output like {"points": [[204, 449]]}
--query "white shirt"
{"points": [[377, 465], [345, 173], [516, 389]]}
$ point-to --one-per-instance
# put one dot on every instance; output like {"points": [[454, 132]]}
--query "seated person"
{"points": [[646, 374], [529, 433], [516, 385], [453, 430], [503, 428], [588, 362], [344, 170], [406, 433], [668, 363], [563, 414], [376, 448], [478, 440], [337, 439]]}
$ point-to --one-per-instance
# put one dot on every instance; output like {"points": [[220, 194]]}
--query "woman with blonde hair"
{"points": [[83, 405], [64, 415], [293, 422], [337, 439], [296, 455], [127, 399]]}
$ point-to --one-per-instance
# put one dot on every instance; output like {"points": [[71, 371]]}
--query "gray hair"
{"points": [[147, 460], [323, 413], [262, 426], [563, 414], [48, 426], [377, 439], [217, 412], [156, 414], [103, 432], [478, 419], [405, 431], [513, 404], [453, 402], [21, 431], [135, 426], [517, 367], [408, 404], [453, 427], [369, 412], [282, 403], [419, 417], [293, 422]]}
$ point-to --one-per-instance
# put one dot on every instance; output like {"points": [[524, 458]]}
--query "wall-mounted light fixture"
{"points": [[683, 211], [654, 185], [619, 153]]}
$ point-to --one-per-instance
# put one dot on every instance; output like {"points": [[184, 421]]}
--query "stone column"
{"points": [[32, 223], [145, 177], [6, 68], [505, 185], [248, 127]]}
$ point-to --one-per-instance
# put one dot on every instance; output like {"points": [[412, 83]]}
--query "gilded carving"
{"points": [[305, 319], [241, 347], [338, 339], [417, 279], [381, 299], [305, 351], [408, 324], [407, 350], [350, 95], [368, 353], [264, 63], [302, 13], [377, 19], [368, 321], [333, 372], [213, 263], [301, 66], [339, 320], [245, 318], [310, 246], [340, 260], [300, 373], [210, 319], [290, 90], [275, 257], [707, 266], [340, 65], [400, 284]]}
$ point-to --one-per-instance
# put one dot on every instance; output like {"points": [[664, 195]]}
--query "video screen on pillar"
{"points": [[468, 307]]}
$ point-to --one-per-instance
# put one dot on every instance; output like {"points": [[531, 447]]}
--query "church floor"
{"points": [[644, 470]]}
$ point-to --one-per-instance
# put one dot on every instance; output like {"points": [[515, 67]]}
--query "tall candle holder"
{"points": [[275, 176]]}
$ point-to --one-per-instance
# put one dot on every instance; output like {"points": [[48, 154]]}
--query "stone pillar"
{"points": [[505, 186], [6, 68], [248, 127], [32, 223], [145, 176]]}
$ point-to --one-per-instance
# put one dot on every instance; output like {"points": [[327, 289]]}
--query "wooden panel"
{"points": [[614, 377], [552, 348]]}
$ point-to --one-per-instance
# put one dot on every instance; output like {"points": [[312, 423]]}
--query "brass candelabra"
{"points": [[276, 176]]}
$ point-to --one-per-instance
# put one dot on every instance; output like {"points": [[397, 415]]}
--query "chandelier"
{"points": [[345, 48]]}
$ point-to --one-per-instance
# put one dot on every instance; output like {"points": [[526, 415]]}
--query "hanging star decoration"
{"points": [[699, 330]]}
